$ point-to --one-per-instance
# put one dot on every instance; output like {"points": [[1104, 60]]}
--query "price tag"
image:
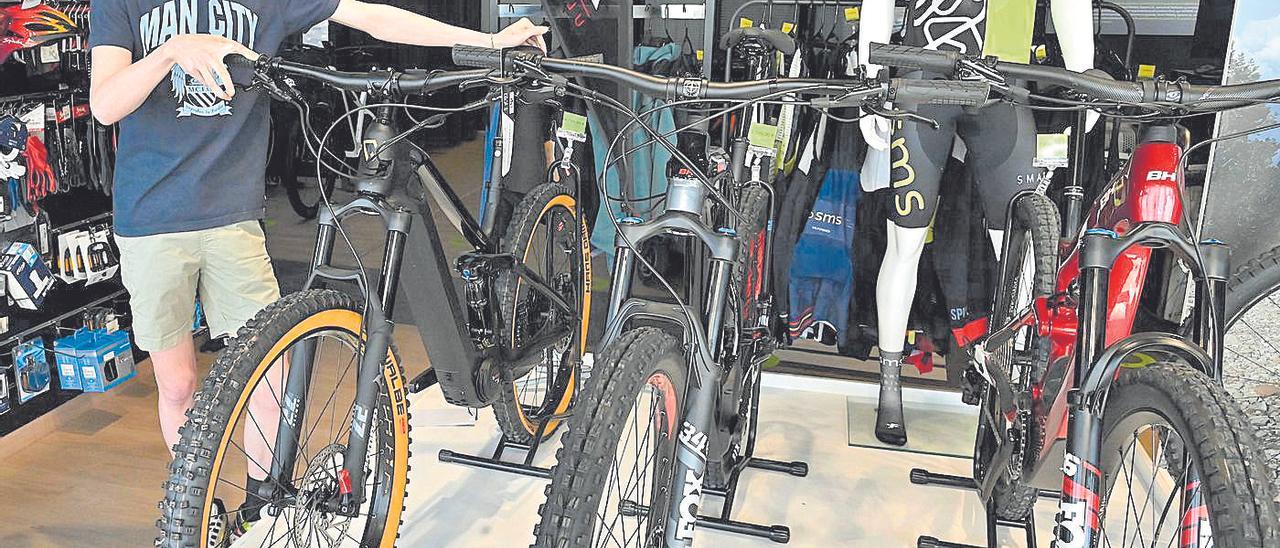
{"points": [[763, 137], [1041, 52], [1052, 150], [788, 27], [572, 127], [1146, 71], [49, 54], [745, 23], [852, 14], [700, 54], [34, 119]]}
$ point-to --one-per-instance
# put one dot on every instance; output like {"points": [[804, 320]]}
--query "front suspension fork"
{"points": [[699, 419], [1079, 506], [300, 366]]}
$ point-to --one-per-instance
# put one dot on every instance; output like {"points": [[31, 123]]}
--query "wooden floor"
{"points": [[94, 477]]}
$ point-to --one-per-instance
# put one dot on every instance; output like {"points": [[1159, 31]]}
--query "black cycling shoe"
{"points": [[891, 425]]}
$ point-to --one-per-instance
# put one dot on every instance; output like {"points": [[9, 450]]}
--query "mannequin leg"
{"points": [[895, 290]]}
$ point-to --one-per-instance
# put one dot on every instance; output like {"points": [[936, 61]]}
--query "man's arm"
{"points": [[392, 24], [118, 86]]}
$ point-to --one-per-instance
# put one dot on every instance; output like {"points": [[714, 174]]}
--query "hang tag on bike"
{"points": [[1052, 151], [763, 138], [573, 127]]}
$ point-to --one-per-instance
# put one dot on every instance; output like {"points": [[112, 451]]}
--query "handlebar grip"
{"points": [[940, 92], [477, 57], [911, 57], [235, 60]]}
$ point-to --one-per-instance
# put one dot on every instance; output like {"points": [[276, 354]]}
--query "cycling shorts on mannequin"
{"points": [[1001, 142]]}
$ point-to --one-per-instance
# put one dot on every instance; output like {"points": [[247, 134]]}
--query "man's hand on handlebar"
{"points": [[521, 33], [203, 57]]}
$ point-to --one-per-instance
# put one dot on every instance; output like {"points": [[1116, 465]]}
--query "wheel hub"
{"points": [[311, 509]]}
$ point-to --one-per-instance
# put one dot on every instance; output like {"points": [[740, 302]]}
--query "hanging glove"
{"points": [[40, 179]]}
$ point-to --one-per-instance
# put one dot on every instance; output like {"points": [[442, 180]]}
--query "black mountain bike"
{"points": [[312, 394], [668, 413]]}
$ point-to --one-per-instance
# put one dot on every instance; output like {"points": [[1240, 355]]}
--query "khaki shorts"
{"points": [[226, 266]]}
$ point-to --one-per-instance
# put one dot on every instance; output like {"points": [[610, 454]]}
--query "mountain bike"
{"points": [[311, 393], [1128, 415], [661, 422]]}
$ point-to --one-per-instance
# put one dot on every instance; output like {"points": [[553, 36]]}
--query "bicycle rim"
{"points": [[555, 252], [628, 512]]}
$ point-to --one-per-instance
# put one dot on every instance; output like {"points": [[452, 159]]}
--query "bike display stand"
{"points": [[920, 476], [524, 467], [778, 533], [495, 461]]}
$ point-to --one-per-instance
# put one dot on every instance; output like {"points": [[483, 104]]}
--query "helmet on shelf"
{"points": [[22, 28]]}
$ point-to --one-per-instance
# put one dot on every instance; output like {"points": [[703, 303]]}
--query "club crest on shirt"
{"points": [[195, 98], [225, 18]]}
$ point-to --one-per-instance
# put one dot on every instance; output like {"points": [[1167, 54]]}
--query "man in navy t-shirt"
{"points": [[191, 164]]}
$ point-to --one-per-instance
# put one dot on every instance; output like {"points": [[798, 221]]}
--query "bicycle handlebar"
{"points": [[384, 81], [677, 88], [1099, 87], [847, 92]]}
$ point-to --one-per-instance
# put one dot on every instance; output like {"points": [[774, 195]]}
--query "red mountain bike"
{"points": [[1130, 416]]}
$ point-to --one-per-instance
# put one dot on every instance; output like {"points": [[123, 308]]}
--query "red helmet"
{"points": [[24, 28]]}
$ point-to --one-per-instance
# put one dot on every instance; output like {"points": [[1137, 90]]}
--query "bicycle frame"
{"points": [[1093, 335], [465, 360]]}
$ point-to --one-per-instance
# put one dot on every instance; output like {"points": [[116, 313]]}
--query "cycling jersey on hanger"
{"points": [[965, 26]]}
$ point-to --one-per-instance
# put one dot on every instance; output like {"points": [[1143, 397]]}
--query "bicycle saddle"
{"points": [[776, 39]]}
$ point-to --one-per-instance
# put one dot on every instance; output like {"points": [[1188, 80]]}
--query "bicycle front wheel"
{"points": [[611, 485], [1178, 464], [549, 237], [231, 431]]}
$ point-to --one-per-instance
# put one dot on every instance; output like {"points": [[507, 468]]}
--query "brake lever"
{"points": [[902, 115]]}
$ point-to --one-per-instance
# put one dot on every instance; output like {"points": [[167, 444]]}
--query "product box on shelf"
{"points": [[26, 278], [31, 369], [106, 359], [4, 391], [66, 356]]}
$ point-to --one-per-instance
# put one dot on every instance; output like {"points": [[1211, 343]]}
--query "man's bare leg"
{"points": [[175, 370]]}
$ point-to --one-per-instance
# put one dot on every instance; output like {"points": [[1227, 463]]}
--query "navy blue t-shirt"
{"points": [[188, 160]]}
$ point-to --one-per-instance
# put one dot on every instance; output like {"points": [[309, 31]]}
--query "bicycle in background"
{"points": [[1129, 416]]}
